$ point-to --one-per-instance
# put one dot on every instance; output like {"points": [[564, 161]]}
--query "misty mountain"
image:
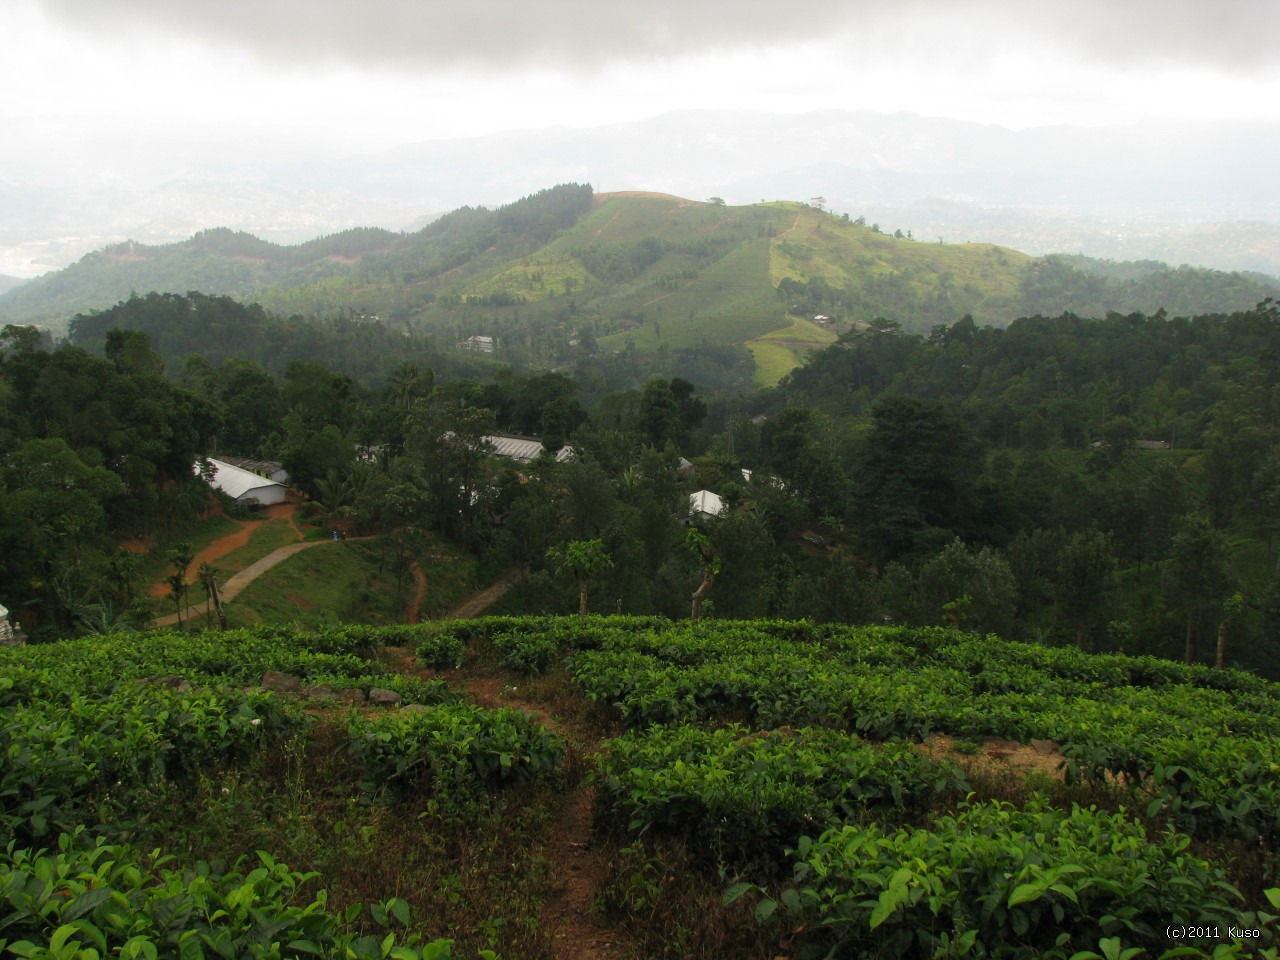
{"points": [[1190, 193]]}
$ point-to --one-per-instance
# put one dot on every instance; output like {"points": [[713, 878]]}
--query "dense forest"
{"points": [[1108, 483]]}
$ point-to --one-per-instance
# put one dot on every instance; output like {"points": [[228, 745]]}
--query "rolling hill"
{"points": [[565, 271]]}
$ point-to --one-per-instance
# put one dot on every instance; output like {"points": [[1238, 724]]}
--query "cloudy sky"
{"points": [[290, 76]]}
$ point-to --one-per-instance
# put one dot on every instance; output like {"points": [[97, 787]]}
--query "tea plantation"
{"points": [[756, 789]]}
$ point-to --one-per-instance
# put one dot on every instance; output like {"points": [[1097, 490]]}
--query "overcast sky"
{"points": [[365, 75]]}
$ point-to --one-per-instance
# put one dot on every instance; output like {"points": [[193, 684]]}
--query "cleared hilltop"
{"points": [[637, 270]]}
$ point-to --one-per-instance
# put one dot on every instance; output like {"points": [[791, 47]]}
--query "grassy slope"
{"points": [[683, 300], [348, 582], [781, 351], [850, 256], [336, 582]]}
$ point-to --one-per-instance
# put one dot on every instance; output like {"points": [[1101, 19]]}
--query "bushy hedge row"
{"points": [[996, 881], [452, 747], [742, 795], [84, 902]]}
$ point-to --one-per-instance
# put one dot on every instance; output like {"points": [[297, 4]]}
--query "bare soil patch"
{"points": [[233, 541], [998, 756]]}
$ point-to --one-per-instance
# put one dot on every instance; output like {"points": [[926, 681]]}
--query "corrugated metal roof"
{"points": [[524, 449], [235, 482], [516, 448]]}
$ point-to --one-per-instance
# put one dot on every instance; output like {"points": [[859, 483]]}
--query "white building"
{"points": [[270, 469], [704, 505], [524, 449], [478, 344], [244, 486]]}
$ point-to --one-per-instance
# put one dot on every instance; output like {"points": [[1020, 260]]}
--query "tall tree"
{"points": [[918, 472], [582, 560], [1086, 585], [1199, 576]]}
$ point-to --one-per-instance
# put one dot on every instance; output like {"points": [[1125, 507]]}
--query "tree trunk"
{"points": [[217, 605], [582, 598], [1186, 656], [703, 589], [1222, 642]]}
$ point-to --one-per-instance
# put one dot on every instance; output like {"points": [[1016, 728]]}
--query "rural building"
{"points": [[244, 486], [524, 449], [704, 505], [478, 344], [263, 468]]}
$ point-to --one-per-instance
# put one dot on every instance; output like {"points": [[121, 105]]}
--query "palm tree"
{"points": [[206, 576], [181, 556], [177, 588], [408, 383]]}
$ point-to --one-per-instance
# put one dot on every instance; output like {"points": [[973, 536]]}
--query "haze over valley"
{"points": [[1196, 193]]}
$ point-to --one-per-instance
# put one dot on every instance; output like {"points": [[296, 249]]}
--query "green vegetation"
{"points": [[563, 277], [347, 582], [896, 519], [809, 815], [153, 792], [142, 776], [266, 537], [781, 351]]}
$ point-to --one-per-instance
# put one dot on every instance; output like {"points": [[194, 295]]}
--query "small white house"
{"points": [[244, 486]]}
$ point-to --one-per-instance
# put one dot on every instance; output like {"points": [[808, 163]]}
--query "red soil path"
{"points": [[234, 540]]}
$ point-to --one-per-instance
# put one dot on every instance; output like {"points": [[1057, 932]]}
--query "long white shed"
{"points": [[244, 486]]}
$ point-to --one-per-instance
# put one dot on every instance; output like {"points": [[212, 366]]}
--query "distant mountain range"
{"points": [[566, 270], [1202, 194]]}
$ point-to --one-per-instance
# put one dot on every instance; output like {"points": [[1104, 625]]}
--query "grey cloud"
{"points": [[1232, 35]]}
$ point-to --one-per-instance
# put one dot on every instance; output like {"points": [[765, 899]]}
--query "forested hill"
{"points": [[219, 328], [1053, 380], [564, 273]]}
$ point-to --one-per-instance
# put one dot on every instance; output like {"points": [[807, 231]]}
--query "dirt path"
{"points": [[238, 581], [234, 541], [419, 591], [214, 551], [579, 867], [286, 511], [478, 603]]}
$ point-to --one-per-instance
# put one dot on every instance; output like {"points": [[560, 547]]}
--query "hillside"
{"points": [[563, 273], [650, 788]]}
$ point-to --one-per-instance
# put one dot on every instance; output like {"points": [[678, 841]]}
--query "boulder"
{"points": [[279, 682], [383, 698]]}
